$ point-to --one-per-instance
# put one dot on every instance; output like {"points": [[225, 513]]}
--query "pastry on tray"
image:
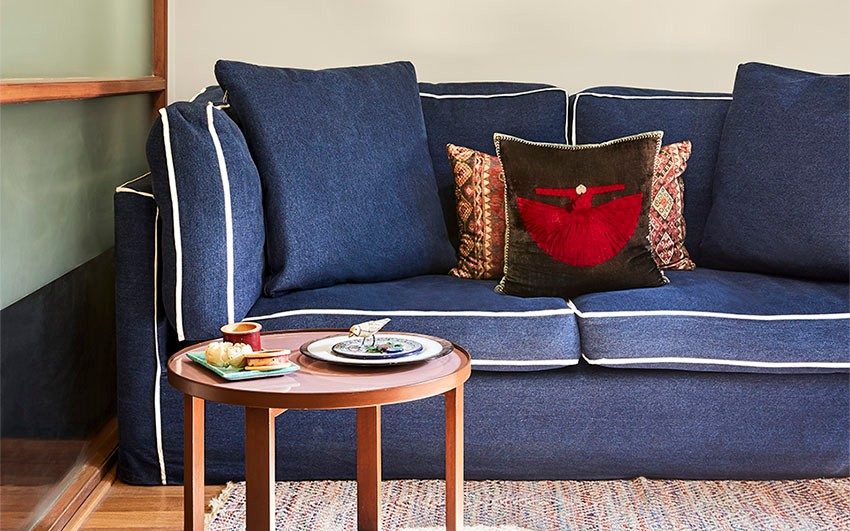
{"points": [[267, 360]]}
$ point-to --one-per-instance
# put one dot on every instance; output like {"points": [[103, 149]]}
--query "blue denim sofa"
{"points": [[719, 374]]}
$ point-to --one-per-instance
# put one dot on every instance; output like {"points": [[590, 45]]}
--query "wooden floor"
{"points": [[122, 506]]}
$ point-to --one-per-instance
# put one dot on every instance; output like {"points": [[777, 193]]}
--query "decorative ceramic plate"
{"points": [[387, 348], [236, 374], [323, 350]]}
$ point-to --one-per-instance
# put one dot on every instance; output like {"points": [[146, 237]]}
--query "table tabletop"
{"points": [[318, 384]]}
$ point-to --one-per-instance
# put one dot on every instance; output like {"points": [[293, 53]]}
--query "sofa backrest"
{"points": [[600, 114], [467, 114]]}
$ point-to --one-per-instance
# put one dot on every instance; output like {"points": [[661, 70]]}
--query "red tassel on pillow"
{"points": [[581, 234]]}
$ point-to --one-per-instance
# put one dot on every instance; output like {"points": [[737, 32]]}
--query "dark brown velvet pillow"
{"points": [[577, 216]]}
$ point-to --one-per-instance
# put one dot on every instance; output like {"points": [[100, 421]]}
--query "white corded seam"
{"points": [[714, 315], [525, 363], [488, 96], [156, 391], [175, 215], [228, 213], [572, 137], [715, 361], [125, 188], [414, 313]]}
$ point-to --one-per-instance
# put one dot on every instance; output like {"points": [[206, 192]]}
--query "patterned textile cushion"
{"points": [[348, 187], [480, 192], [468, 312], [467, 114], [208, 192], [566, 234], [666, 221], [782, 191], [710, 320], [602, 113]]}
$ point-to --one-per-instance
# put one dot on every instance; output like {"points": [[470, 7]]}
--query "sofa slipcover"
{"points": [[708, 320], [208, 191], [600, 114], [499, 332], [468, 114]]}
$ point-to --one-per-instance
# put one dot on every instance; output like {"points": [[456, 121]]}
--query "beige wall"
{"points": [[675, 44]]}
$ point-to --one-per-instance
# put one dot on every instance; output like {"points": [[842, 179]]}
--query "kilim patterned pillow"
{"points": [[666, 214], [480, 194]]}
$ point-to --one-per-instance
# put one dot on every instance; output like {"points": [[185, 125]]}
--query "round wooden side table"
{"points": [[317, 385]]}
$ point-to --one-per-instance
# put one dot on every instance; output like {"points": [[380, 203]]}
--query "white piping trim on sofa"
{"points": [[414, 313], [175, 215], [524, 363], [124, 187], [572, 136], [157, 414], [715, 315], [228, 212], [715, 361], [487, 96]]}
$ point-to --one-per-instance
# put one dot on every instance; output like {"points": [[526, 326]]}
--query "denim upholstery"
{"points": [[499, 332], [575, 423], [782, 192], [600, 114], [708, 320], [349, 190], [468, 114], [208, 191], [211, 94]]}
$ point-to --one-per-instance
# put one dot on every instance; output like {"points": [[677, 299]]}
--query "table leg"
{"points": [[454, 459], [259, 468], [369, 468], [193, 463]]}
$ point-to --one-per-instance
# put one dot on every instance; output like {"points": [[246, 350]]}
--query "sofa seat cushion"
{"points": [[710, 320], [499, 332]]}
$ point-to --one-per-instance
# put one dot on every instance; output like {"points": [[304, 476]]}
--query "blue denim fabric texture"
{"points": [[349, 190], [787, 340], [576, 423], [527, 110], [782, 192], [494, 337], [211, 94], [203, 217], [694, 116]]}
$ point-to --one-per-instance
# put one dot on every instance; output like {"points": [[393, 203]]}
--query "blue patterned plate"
{"points": [[386, 347]]}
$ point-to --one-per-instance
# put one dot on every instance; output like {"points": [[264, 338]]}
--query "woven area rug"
{"points": [[639, 504]]}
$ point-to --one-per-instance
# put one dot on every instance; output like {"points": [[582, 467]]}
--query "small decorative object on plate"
{"points": [[366, 331]]}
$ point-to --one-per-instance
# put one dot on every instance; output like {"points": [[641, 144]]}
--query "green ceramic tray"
{"points": [[235, 375]]}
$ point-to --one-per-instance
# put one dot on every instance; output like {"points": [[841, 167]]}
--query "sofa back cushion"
{"points": [[468, 114], [603, 113], [208, 192], [348, 186], [782, 193]]}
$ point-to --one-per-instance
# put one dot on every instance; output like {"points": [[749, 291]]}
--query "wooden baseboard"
{"points": [[96, 466]]}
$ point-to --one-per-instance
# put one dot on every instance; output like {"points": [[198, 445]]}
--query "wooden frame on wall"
{"points": [[52, 89]]}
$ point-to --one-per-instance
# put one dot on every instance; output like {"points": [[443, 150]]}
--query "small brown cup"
{"points": [[245, 332]]}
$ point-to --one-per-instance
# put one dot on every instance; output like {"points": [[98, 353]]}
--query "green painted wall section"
{"points": [[75, 38], [59, 165]]}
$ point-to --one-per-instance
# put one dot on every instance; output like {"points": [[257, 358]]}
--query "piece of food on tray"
{"points": [[236, 354], [224, 353], [267, 360], [216, 353]]}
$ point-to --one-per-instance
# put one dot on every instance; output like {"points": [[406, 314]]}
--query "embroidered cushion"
{"points": [[666, 221], [348, 187], [480, 194], [781, 192], [576, 216]]}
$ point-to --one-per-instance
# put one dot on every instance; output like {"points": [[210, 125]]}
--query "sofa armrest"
{"points": [[207, 188]]}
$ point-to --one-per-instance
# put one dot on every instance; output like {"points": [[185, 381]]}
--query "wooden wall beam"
{"points": [[160, 51], [27, 90]]}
